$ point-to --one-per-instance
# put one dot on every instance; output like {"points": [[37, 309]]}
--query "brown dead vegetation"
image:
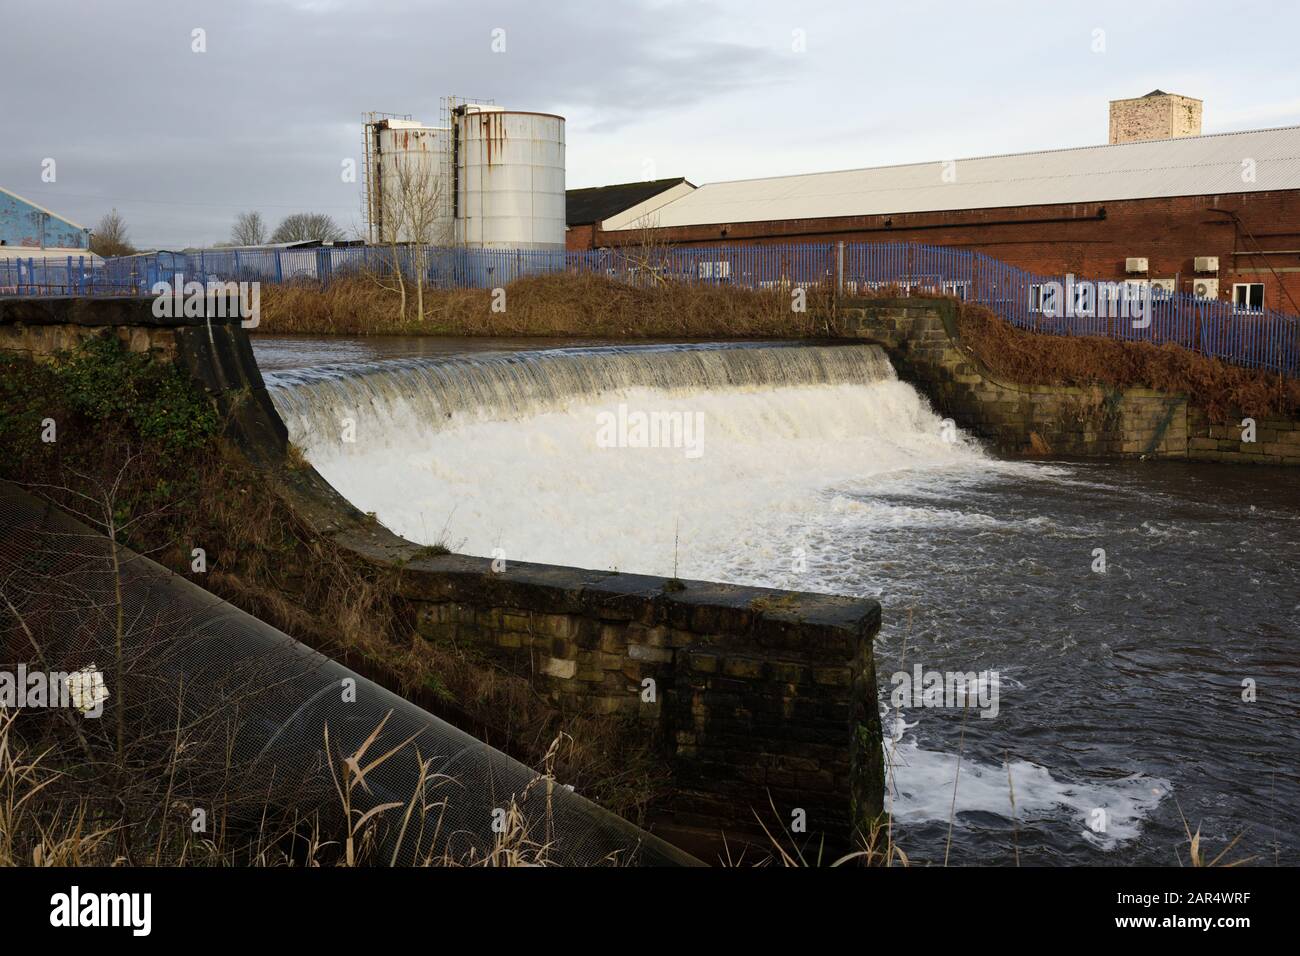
{"points": [[1035, 358], [549, 305]]}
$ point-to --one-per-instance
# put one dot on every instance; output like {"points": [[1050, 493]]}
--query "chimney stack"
{"points": [[1158, 115]]}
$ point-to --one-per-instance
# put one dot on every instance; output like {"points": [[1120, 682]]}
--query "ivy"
{"points": [[100, 389]]}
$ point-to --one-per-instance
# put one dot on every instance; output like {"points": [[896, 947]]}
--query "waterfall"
{"points": [[536, 454], [515, 385]]}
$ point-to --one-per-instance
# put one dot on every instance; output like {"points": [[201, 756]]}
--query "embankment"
{"points": [[924, 337]]}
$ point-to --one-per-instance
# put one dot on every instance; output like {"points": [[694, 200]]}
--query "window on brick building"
{"points": [[1248, 296]]}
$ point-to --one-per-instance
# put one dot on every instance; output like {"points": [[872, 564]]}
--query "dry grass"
{"points": [[1036, 358], [551, 305], [42, 825], [784, 848]]}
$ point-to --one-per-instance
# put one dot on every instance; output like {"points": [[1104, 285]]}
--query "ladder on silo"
{"points": [[371, 211]]}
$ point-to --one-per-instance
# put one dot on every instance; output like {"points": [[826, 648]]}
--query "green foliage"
{"points": [[27, 392], [100, 390]]}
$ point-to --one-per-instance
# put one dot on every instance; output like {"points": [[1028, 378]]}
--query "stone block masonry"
{"points": [[756, 695], [921, 336]]}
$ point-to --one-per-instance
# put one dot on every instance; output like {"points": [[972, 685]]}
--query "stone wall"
{"points": [[754, 697], [752, 693], [921, 336], [40, 327]]}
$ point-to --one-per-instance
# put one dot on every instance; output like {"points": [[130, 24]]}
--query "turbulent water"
{"points": [[1119, 692]]}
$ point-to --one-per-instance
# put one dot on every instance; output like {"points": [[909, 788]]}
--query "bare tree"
{"points": [[307, 226], [646, 258], [109, 238], [418, 197], [249, 229], [414, 217]]}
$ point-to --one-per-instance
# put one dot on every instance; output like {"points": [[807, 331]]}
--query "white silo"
{"points": [[408, 193], [509, 169]]}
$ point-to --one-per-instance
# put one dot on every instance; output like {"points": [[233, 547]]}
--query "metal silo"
{"points": [[408, 197], [509, 178]]}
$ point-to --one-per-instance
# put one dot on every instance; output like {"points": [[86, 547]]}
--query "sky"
{"points": [[179, 140]]}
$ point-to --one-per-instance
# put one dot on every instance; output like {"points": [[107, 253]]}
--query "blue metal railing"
{"points": [[1261, 338]]}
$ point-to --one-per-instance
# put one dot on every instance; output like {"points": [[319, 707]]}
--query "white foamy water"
{"points": [[927, 785], [771, 463], [806, 456]]}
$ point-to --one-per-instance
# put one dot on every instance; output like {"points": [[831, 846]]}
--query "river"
{"points": [[1123, 691]]}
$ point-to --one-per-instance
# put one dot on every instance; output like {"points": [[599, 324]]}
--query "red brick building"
{"points": [[586, 209], [1217, 213]]}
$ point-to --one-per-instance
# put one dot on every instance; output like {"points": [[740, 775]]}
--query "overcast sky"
{"points": [[180, 141]]}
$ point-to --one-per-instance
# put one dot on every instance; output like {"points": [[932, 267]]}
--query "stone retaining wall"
{"points": [[921, 336]]}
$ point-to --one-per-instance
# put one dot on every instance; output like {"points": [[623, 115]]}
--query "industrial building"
{"points": [[36, 231], [486, 177], [1214, 215], [586, 209]]}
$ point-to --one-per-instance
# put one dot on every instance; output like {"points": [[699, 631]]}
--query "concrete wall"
{"points": [[922, 338], [756, 695]]}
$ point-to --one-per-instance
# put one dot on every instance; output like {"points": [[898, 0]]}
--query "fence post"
{"points": [[839, 271]]}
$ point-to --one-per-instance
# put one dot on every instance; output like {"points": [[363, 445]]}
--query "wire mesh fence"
{"points": [[1255, 337]]}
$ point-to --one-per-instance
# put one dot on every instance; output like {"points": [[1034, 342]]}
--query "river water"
{"points": [[1132, 626]]}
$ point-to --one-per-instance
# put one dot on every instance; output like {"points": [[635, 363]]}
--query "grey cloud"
{"points": [[180, 141]]}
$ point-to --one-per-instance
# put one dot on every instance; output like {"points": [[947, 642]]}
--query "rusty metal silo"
{"points": [[509, 178]]}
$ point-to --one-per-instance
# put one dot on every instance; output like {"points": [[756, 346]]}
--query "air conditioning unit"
{"points": [[1206, 288], [1164, 286], [1207, 263], [1135, 264]]}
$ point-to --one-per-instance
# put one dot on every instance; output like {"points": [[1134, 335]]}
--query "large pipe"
{"points": [[240, 687]]}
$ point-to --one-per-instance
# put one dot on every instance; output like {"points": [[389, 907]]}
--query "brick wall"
{"points": [[756, 695], [1090, 240], [580, 237]]}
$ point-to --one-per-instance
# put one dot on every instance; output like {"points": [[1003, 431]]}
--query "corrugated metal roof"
{"points": [[1191, 166]]}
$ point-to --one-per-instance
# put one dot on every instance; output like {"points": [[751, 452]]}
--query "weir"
{"points": [[672, 460], [760, 701], [517, 385]]}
